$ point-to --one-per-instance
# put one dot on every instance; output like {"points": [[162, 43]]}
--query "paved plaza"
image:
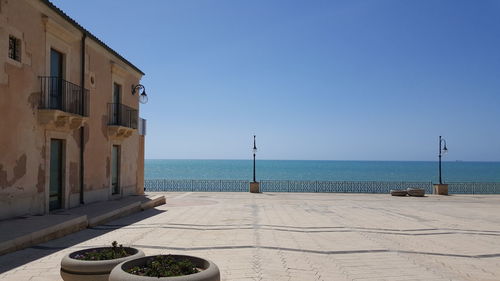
{"points": [[300, 236]]}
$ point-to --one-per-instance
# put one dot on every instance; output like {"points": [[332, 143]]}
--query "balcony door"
{"points": [[117, 92], [56, 74], [115, 169], [56, 174]]}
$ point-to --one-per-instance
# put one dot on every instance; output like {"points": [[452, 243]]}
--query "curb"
{"points": [[155, 201]]}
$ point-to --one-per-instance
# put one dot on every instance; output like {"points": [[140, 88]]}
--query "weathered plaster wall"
{"points": [[21, 142], [140, 165], [98, 169]]}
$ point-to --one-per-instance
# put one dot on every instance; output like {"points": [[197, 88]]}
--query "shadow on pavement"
{"points": [[22, 257]]}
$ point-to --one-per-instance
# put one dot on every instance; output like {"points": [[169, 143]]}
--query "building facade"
{"points": [[70, 132]]}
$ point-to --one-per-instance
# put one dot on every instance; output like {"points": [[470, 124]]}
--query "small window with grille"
{"points": [[14, 48]]}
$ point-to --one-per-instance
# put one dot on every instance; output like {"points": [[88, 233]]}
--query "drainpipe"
{"points": [[82, 129]]}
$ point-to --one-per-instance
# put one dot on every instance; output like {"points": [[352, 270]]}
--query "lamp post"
{"points": [[254, 185], [441, 188], [254, 152], [442, 150]]}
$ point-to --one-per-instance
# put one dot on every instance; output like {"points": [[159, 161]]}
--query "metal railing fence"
{"points": [[474, 188], [315, 186], [122, 115], [59, 94], [340, 186], [195, 185]]}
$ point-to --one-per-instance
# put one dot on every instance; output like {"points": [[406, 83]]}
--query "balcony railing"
{"points": [[142, 127], [59, 94], [122, 115]]}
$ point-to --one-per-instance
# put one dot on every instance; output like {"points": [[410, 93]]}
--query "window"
{"points": [[14, 48]]}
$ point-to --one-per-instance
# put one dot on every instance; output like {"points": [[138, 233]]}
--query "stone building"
{"points": [[70, 133]]}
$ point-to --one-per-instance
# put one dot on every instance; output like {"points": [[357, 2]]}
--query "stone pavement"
{"points": [[300, 236], [22, 232]]}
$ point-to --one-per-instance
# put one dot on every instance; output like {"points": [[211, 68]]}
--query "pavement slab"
{"points": [[300, 236]]}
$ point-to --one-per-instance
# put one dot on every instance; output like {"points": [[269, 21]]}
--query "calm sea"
{"points": [[322, 170]]}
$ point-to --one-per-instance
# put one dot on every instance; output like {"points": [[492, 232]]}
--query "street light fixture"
{"points": [[143, 98], [254, 152], [442, 150]]}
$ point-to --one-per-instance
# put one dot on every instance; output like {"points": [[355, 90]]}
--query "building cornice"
{"points": [[89, 35], [57, 30]]}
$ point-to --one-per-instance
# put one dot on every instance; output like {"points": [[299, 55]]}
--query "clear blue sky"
{"points": [[322, 79]]}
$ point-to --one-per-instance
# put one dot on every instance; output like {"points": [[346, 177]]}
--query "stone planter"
{"points": [[209, 271], [398, 192], [441, 189], [254, 187], [82, 270], [416, 192]]}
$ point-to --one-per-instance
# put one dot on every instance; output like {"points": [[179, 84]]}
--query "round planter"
{"points": [[82, 270], [416, 192], [210, 271], [398, 192]]}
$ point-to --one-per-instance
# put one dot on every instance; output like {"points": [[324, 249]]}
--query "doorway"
{"points": [[115, 169], [56, 174]]}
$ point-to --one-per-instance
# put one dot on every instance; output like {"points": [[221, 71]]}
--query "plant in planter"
{"points": [[166, 268], [99, 254], [96, 263]]}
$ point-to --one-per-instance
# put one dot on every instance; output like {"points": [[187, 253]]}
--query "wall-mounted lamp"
{"points": [[143, 98]]}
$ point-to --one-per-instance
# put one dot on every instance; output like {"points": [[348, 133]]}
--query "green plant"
{"points": [[114, 252], [164, 266]]}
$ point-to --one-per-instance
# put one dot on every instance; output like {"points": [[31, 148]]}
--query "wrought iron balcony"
{"points": [[122, 115], [59, 94]]}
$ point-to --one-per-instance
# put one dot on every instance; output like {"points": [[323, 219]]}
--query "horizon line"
{"points": [[340, 160]]}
